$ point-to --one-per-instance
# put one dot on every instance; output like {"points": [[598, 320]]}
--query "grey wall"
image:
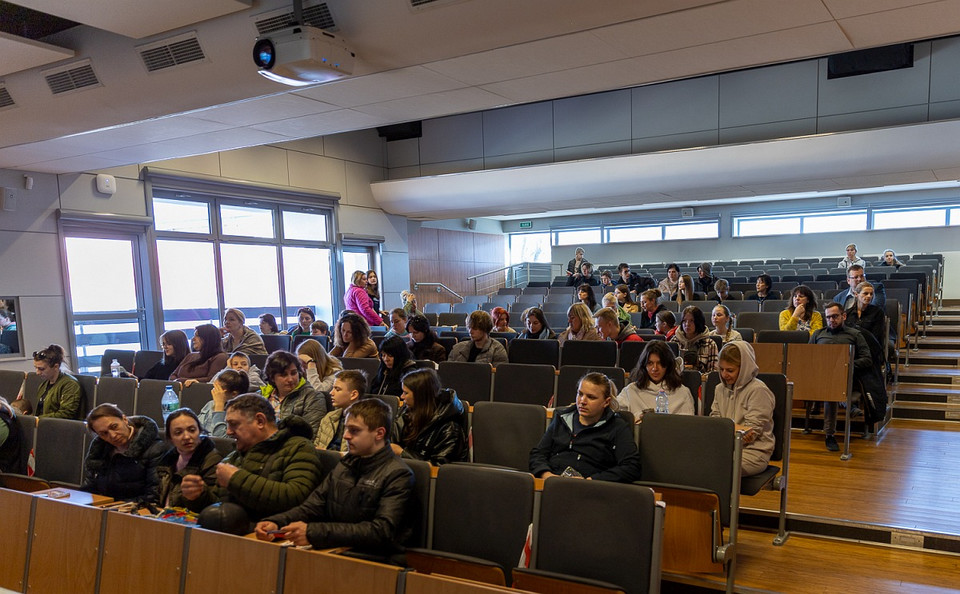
{"points": [[758, 104]]}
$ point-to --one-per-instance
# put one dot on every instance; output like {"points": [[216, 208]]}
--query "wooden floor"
{"points": [[812, 564], [909, 478]]}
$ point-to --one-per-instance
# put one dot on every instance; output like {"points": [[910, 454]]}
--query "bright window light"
{"points": [[639, 233], [692, 231], [906, 219], [577, 237]]}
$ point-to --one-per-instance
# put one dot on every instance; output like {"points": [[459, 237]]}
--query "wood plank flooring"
{"points": [[909, 478]]}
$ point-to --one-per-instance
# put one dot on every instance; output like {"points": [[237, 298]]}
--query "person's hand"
{"points": [[396, 449], [192, 486], [225, 472], [547, 474], [799, 311], [223, 331], [189, 382], [263, 528], [296, 533]]}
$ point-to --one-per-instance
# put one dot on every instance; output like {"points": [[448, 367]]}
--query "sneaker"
{"points": [[831, 443], [856, 413]]}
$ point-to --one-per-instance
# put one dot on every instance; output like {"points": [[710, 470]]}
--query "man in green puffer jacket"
{"points": [[273, 469]]}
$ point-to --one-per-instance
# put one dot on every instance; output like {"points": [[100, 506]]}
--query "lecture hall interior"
{"points": [[150, 178]]}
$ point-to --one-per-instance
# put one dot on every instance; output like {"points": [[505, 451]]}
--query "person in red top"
{"points": [[666, 324], [608, 325]]}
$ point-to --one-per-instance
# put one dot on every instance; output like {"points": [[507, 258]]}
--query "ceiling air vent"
{"points": [[171, 52], [317, 16], [422, 4], [72, 77], [5, 99]]}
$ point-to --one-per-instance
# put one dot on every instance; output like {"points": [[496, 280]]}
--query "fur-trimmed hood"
{"points": [[146, 434]]}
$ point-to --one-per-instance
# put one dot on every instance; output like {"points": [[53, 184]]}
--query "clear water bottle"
{"points": [[663, 406], [115, 368], [169, 403]]}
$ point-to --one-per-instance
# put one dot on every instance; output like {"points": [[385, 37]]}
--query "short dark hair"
{"points": [[621, 266], [271, 321], [666, 316], [251, 404], [374, 412], [233, 381], [307, 311], [421, 324], [355, 380], [767, 280], [480, 320], [854, 267], [673, 267], [833, 304], [182, 412], [52, 355], [278, 361]]}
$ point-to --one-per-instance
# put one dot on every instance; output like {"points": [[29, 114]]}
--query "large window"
{"points": [[815, 222], [530, 247], [576, 236], [260, 257]]}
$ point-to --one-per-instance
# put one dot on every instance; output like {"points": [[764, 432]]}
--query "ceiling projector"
{"points": [[302, 55]]}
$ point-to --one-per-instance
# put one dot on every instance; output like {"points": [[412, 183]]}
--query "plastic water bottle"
{"points": [[115, 368], [169, 403], [662, 403]]}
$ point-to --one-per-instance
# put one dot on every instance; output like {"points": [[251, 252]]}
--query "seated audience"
{"points": [[227, 385], [398, 324], [431, 422], [11, 438], [9, 342], [349, 385], [289, 392], [720, 316], [175, 347], [410, 304], [656, 370], [698, 348], [351, 338], [573, 266], [637, 284], [273, 469], [721, 290], [622, 293], [305, 318], [764, 284], [748, 402], [585, 277], [610, 301], [705, 280], [801, 312], [536, 324], [59, 392], [855, 276], [192, 453], [480, 348], [206, 359], [588, 439], [501, 320], [650, 307], [268, 324], [606, 280], [238, 337], [866, 317], [320, 368], [587, 297], [608, 326], [362, 504], [395, 361], [581, 325], [685, 291], [666, 324], [851, 258], [319, 328], [668, 286], [357, 299], [425, 343], [241, 362], [890, 259], [122, 459], [836, 333]]}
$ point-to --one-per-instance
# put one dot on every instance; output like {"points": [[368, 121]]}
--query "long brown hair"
{"points": [[425, 385]]}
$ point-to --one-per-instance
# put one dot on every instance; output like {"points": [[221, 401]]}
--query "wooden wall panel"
{"points": [[450, 257], [456, 246], [424, 244]]}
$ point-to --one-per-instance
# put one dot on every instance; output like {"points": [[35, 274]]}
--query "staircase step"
{"points": [[939, 342], [930, 374], [932, 358], [934, 411], [939, 329]]}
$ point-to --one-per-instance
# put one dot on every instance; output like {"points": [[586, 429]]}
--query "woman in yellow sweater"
{"points": [[801, 312]]}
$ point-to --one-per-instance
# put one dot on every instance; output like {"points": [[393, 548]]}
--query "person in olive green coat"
{"points": [[59, 393], [192, 453], [273, 469]]}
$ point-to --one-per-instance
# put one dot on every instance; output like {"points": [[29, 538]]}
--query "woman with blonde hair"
{"points": [[581, 325], [319, 366]]}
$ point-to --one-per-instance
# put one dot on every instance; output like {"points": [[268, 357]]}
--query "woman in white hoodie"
{"points": [[656, 370], [748, 402]]}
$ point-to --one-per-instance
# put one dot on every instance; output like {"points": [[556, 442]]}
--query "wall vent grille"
{"points": [[169, 53], [5, 99], [72, 77], [317, 16]]}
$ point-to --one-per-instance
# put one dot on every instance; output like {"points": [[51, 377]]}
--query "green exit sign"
{"points": [[526, 224]]}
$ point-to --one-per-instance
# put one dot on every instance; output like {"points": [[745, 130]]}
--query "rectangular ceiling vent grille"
{"points": [[422, 4], [317, 16], [172, 52], [5, 99], [72, 77]]}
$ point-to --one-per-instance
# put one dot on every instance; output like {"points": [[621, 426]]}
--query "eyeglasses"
{"points": [[834, 316]]}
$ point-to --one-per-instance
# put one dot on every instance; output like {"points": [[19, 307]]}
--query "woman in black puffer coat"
{"points": [[122, 460], [431, 424]]}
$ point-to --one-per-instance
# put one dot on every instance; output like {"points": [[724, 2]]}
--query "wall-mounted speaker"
{"points": [[686, 213], [471, 224], [844, 202], [8, 199]]}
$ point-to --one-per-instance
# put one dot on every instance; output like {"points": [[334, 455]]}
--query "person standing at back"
{"points": [[356, 299]]}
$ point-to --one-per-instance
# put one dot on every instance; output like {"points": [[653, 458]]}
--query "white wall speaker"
{"points": [[106, 184], [8, 199], [686, 213], [844, 201]]}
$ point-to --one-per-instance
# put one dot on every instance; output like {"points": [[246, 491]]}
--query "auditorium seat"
{"points": [[589, 352], [499, 301], [121, 391], [746, 333], [144, 360], [738, 307], [28, 432], [88, 389], [195, 396], [524, 383], [774, 305], [516, 309], [448, 342], [542, 352], [503, 433], [370, 365], [478, 299], [464, 308], [224, 445], [123, 357], [60, 449], [451, 319], [472, 381], [783, 336], [630, 353], [276, 342], [149, 394], [436, 308], [10, 383], [759, 320]]}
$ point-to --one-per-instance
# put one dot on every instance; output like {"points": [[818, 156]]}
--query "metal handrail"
{"points": [[440, 288], [475, 276]]}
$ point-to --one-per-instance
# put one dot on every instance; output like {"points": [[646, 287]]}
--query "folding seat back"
{"points": [[436, 308], [774, 306], [589, 352], [532, 351], [504, 433], [472, 381], [370, 365], [419, 510], [28, 435], [60, 450], [465, 308], [448, 342], [784, 336], [630, 353], [121, 391], [10, 383], [747, 334], [451, 319], [149, 394], [196, 395], [123, 357], [522, 383], [88, 389], [144, 360], [759, 320], [276, 342], [224, 445]]}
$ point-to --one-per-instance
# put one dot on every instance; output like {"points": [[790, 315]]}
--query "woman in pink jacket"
{"points": [[356, 299]]}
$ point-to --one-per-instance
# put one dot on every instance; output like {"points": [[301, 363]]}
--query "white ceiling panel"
{"points": [[133, 18], [75, 164], [255, 111], [192, 145], [841, 9], [157, 130], [383, 86], [20, 53], [437, 104], [906, 24], [948, 174], [321, 123]]}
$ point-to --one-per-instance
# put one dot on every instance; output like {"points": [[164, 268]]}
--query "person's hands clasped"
{"points": [[192, 486], [296, 533], [225, 472], [264, 529]]}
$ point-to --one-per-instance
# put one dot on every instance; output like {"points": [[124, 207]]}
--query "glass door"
{"points": [[105, 295]]}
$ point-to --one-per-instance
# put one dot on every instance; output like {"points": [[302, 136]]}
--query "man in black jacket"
{"points": [[363, 501]]}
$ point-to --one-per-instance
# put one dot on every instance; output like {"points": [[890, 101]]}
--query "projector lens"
{"points": [[264, 54]]}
